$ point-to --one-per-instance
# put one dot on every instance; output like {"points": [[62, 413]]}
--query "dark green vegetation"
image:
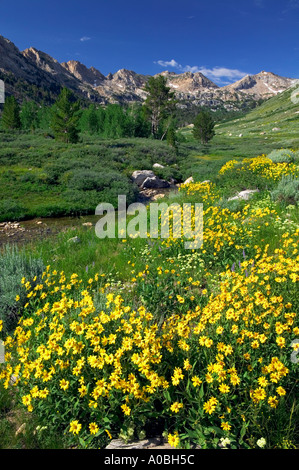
{"points": [[45, 178], [159, 106], [203, 129], [42, 177], [66, 117], [11, 114]]}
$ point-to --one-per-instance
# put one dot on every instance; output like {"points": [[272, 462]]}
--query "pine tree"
{"points": [[203, 129], [66, 117], [11, 114], [171, 138], [159, 104], [92, 120], [28, 115]]}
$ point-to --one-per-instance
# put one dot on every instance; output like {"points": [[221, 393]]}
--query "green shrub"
{"points": [[14, 265], [234, 205], [88, 180], [29, 177], [168, 173], [92, 186], [11, 210], [282, 156], [82, 201], [287, 190]]}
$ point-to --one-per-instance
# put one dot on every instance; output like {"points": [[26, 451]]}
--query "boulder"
{"points": [[153, 443], [154, 183], [244, 194], [139, 176], [189, 180], [157, 165]]}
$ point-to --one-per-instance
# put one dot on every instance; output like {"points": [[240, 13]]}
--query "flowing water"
{"points": [[30, 230]]}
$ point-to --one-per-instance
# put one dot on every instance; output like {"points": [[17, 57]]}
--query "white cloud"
{"points": [[221, 75], [85, 38], [223, 72], [169, 63]]}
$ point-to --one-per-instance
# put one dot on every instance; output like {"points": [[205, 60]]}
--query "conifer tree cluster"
{"points": [[68, 117]]}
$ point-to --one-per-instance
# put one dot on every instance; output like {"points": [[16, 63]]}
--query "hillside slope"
{"points": [[276, 117], [272, 125]]}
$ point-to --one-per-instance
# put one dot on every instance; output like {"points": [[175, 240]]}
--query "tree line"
{"points": [[66, 118]]}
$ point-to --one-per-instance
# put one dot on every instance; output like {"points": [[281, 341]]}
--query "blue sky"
{"points": [[224, 39]]}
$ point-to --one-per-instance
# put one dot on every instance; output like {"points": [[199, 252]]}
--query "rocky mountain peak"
{"points": [[261, 85], [191, 88], [91, 76], [43, 60], [14, 62]]}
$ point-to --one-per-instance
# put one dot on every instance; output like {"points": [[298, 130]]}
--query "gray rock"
{"points": [[189, 180], [154, 183], [152, 443], [244, 194], [139, 176], [157, 165]]}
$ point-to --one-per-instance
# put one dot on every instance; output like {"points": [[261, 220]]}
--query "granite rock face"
{"points": [[126, 86]]}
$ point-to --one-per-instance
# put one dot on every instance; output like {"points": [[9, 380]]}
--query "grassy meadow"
{"points": [[135, 338]]}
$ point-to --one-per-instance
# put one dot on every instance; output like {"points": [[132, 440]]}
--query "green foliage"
{"points": [[188, 112], [171, 138], [204, 127], [168, 173], [36, 172], [29, 115], [11, 210], [287, 190], [11, 114], [66, 117], [281, 156], [114, 121], [159, 105], [87, 188], [14, 265]]}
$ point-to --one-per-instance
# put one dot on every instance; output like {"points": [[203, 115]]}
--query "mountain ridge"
{"points": [[39, 69]]}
